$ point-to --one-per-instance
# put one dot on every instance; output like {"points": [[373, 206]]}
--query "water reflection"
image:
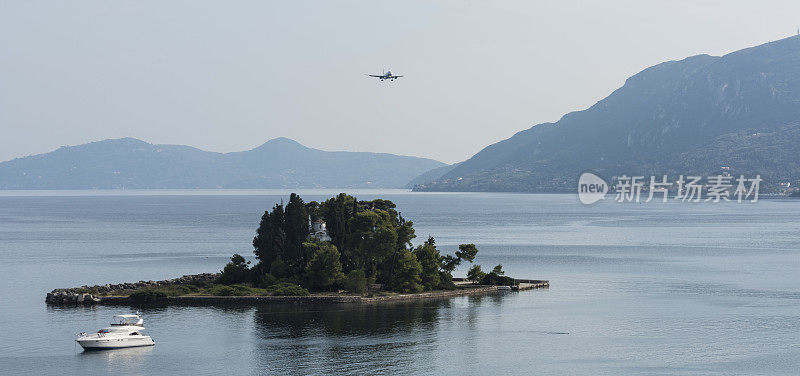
{"points": [[399, 336], [72, 309], [290, 321], [115, 361]]}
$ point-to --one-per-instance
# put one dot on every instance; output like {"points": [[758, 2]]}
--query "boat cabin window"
{"points": [[135, 333]]}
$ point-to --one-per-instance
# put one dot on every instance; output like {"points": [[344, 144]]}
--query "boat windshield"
{"points": [[126, 320], [114, 330]]}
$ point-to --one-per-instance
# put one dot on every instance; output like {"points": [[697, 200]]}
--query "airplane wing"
{"points": [[397, 76]]}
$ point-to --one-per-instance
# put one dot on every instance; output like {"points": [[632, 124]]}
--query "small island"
{"points": [[339, 250]]}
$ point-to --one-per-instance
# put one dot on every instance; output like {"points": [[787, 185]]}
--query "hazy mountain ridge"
{"points": [[431, 175], [279, 163], [691, 116]]}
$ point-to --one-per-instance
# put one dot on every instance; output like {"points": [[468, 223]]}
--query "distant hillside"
{"points": [[431, 175], [693, 116], [280, 163]]}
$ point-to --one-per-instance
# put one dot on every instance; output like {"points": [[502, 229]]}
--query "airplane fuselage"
{"points": [[386, 76]]}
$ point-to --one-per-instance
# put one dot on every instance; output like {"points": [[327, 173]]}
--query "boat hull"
{"points": [[114, 343]]}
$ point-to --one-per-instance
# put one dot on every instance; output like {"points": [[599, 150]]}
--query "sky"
{"points": [[229, 75]]}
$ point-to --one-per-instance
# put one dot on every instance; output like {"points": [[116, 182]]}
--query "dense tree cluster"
{"points": [[495, 277], [370, 243]]}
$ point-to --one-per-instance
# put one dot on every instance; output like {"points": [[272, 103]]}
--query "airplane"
{"points": [[386, 76]]}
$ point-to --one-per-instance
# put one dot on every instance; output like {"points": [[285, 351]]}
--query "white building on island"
{"points": [[318, 230]]}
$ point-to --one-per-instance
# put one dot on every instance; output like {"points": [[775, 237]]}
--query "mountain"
{"points": [[431, 175], [279, 163], [694, 116]]}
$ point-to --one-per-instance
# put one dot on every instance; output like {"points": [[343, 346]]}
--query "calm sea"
{"points": [[636, 289]]}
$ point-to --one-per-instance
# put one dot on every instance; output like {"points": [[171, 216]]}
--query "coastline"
{"points": [[105, 294], [204, 300]]}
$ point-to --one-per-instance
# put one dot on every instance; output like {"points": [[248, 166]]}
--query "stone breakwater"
{"points": [[93, 294], [195, 300], [109, 294]]}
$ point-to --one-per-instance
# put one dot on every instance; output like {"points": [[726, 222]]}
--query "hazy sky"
{"points": [[229, 75]]}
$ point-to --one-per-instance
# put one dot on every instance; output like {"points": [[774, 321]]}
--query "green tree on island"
{"points": [[498, 270], [430, 261], [407, 277], [236, 271], [475, 274], [356, 281], [324, 270], [370, 241], [497, 277]]}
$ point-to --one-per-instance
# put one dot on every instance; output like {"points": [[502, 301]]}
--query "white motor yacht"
{"points": [[125, 331]]}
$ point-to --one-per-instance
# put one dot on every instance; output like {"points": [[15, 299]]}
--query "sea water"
{"points": [[635, 289]]}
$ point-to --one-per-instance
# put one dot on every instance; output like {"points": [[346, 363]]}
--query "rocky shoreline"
{"points": [[88, 295], [195, 300], [104, 294]]}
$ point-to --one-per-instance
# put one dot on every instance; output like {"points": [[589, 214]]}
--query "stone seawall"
{"points": [[104, 294], [93, 294], [195, 300]]}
